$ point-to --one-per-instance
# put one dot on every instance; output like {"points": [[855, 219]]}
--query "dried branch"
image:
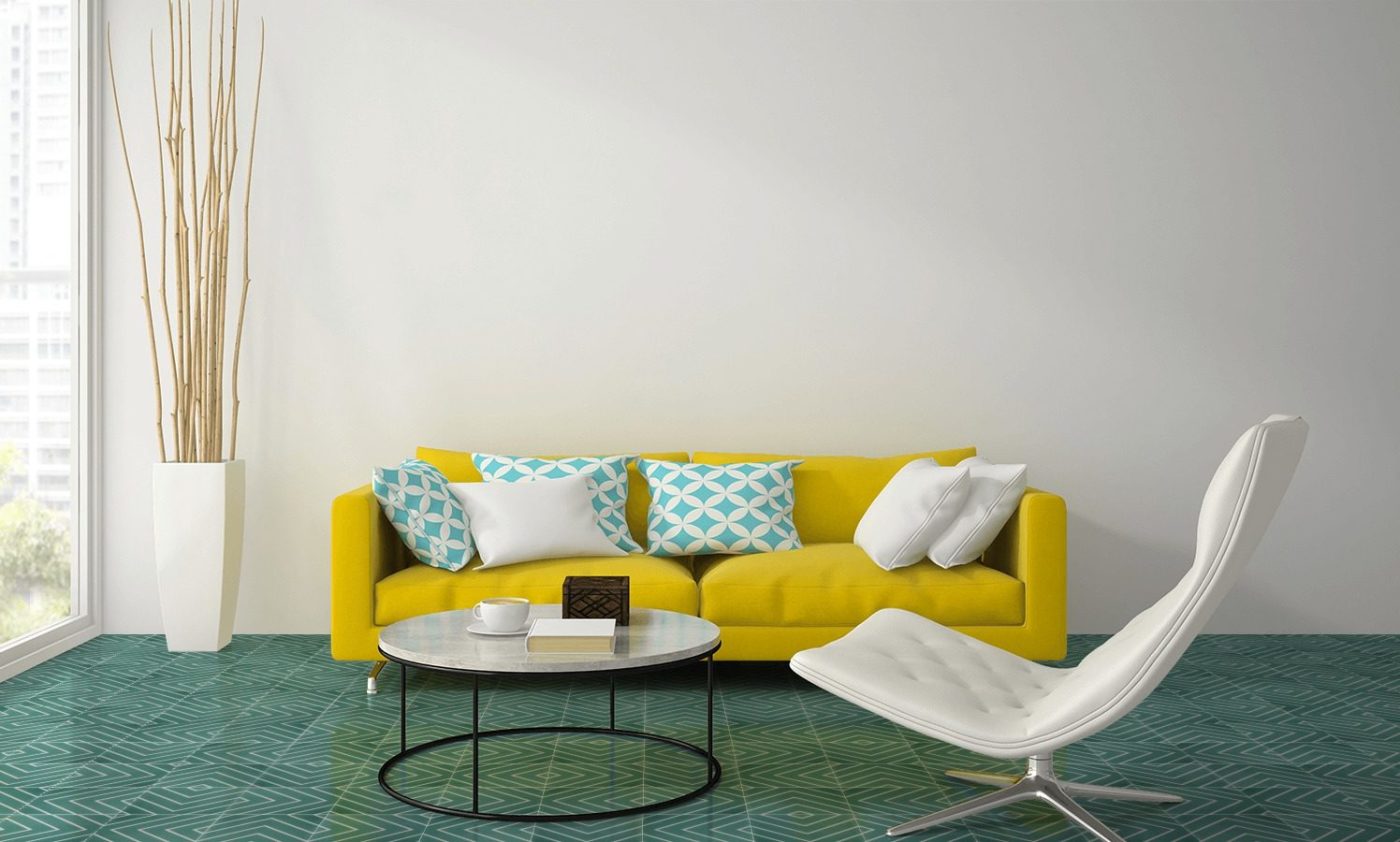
{"points": [[196, 207], [247, 201], [164, 298], [141, 236]]}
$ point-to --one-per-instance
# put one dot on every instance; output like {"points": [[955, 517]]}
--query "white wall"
{"points": [[1099, 238]]}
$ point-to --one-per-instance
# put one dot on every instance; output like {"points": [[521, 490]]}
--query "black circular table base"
{"points": [[712, 778]]}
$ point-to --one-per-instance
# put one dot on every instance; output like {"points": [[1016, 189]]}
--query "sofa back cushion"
{"points": [[832, 492], [457, 465]]}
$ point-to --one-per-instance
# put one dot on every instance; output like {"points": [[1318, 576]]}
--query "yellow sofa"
{"points": [[768, 606]]}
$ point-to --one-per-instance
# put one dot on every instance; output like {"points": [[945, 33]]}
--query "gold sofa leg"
{"points": [[372, 685]]}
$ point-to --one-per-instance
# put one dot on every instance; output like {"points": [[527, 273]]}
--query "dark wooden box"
{"points": [[597, 597]]}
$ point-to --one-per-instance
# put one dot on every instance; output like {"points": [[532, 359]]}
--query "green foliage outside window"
{"points": [[35, 559]]}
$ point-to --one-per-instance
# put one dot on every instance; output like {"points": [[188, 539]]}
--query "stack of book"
{"points": [[571, 637]]}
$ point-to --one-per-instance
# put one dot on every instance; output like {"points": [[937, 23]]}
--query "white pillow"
{"points": [[526, 521], [914, 508], [995, 492]]}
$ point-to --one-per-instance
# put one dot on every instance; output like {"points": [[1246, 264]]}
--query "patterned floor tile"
{"points": [[624, 829], [26, 827], [784, 764], [356, 827], [306, 800], [39, 773], [262, 827], [1037, 825], [169, 827], [806, 824], [1353, 827], [1268, 737], [683, 825], [1238, 827], [453, 829]]}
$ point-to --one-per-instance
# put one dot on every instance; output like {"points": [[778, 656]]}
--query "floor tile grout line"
{"points": [[481, 711], [250, 705], [645, 727], [88, 763], [737, 767], [831, 767], [306, 730], [403, 677], [549, 767]]}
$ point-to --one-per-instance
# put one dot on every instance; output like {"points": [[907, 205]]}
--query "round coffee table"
{"points": [[653, 640]]}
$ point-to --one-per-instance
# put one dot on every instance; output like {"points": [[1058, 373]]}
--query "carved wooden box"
{"points": [[597, 597]]}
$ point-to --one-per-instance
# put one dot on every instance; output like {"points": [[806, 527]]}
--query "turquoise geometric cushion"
{"points": [[607, 481], [427, 517], [744, 507]]}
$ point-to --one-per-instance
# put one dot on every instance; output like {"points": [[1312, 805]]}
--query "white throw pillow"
{"points": [[995, 492], [526, 521], [915, 507]]}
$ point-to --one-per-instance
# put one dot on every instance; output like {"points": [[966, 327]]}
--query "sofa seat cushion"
{"points": [[655, 583], [838, 585]]}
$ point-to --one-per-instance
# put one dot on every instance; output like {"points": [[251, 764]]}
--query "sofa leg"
{"points": [[372, 685]]}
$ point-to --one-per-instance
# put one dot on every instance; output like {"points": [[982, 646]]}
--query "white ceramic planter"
{"points": [[198, 509]]}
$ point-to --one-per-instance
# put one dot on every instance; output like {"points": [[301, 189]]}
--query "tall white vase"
{"points": [[198, 509]]}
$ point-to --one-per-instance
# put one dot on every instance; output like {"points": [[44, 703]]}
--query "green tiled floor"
{"points": [[1269, 738]]}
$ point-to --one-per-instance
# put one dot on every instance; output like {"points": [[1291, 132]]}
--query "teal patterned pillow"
{"points": [[427, 517], [607, 482], [744, 507]]}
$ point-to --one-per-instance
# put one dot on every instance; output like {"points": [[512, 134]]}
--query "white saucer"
{"points": [[480, 628]]}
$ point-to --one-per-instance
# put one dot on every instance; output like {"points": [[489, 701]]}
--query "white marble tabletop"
{"points": [[442, 640]]}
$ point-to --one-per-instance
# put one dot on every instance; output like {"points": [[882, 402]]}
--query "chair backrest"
{"points": [[1239, 503]]}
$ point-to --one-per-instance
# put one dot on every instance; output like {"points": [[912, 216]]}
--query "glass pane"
{"points": [[36, 314]]}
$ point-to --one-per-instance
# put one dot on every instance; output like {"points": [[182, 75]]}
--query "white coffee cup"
{"points": [[503, 613]]}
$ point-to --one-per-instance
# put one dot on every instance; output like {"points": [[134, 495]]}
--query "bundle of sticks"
{"points": [[198, 178]]}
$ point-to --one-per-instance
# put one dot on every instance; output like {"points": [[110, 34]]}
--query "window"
{"points": [[53, 482], [53, 350], [55, 377], [45, 603], [53, 429], [50, 324], [53, 455]]}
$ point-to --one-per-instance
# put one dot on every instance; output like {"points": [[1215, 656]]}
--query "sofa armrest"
{"points": [[364, 549], [1032, 548]]}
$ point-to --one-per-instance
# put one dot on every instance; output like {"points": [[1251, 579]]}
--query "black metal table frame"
{"points": [[477, 735]]}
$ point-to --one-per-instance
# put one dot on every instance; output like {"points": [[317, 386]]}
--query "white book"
{"points": [[591, 637]]}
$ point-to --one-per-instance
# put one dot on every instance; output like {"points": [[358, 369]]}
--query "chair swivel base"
{"points": [[1039, 782]]}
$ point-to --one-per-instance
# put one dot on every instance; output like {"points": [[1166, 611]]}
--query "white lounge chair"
{"points": [[944, 684]]}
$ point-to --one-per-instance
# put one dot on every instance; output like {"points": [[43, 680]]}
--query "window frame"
{"points": [[85, 621]]}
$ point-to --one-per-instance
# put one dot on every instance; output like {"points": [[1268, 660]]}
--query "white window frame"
{"points": [[85, 622]]}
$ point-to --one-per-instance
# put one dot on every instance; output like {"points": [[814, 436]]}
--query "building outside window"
{"points": [[38, 278]]}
